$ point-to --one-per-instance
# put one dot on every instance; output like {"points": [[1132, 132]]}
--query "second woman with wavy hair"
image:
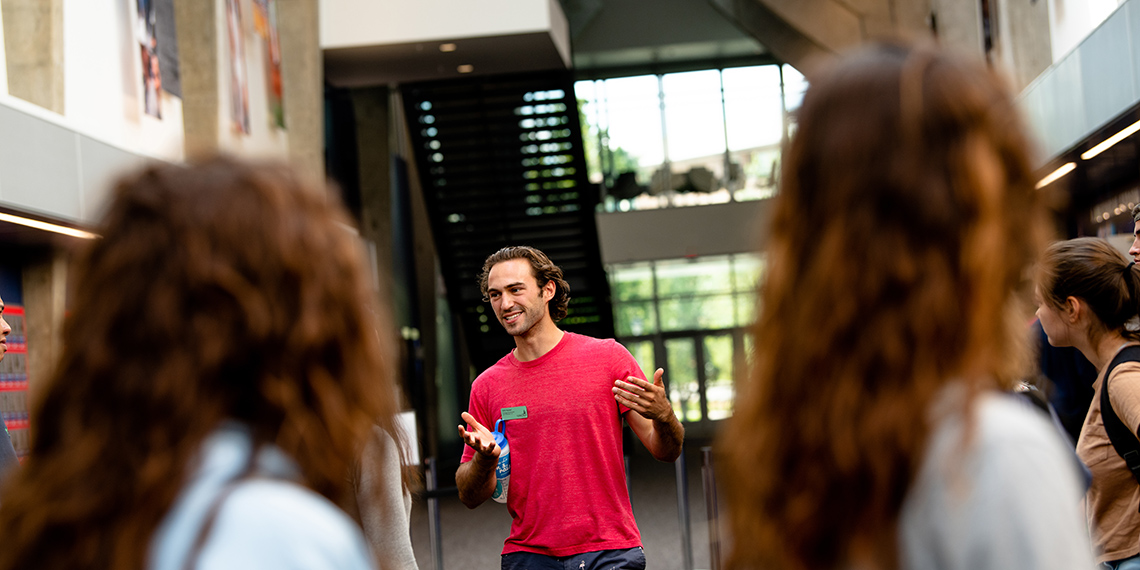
{"points": [[221, 373], [871, 433]]}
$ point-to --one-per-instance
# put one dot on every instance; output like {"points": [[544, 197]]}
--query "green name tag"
{"points": [[515, 413]]}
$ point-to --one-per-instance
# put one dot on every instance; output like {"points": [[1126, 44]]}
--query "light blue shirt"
{"points": [[1010, 498], [267, 522]]}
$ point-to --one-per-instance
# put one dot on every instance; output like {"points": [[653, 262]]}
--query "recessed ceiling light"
{"points": [[46, 226], [448, 47], [1111, 141], [465, 68], [1056, 174]]}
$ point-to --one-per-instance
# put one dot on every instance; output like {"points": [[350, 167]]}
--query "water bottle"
{"points": [[503, 469]]}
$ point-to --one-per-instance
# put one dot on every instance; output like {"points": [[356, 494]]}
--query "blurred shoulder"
{"points": [[1000, 490], [1004, 433], [1003, 419], [268, 523]]}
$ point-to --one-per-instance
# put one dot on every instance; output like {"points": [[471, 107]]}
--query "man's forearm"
{"points": [[668, 436], [476, 480]]}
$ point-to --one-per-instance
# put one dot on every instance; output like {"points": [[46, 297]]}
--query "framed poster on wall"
{"points": [[14, 382]]}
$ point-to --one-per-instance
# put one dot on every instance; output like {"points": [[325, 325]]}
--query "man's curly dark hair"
{"points": [[544, 272]]}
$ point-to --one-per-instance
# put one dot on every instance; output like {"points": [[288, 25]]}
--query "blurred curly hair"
{"points": [[866, 315], [218, 291]]}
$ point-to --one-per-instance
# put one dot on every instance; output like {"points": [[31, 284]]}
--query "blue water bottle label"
{"points": [[503, 468]]}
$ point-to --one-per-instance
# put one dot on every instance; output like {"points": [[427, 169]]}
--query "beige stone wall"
{"points": [[33, 51], [302, 75], [45, 299], [198, 62], [1024, 47]]}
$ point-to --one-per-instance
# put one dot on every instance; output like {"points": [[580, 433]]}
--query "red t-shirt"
{"points": [[567, 492]]}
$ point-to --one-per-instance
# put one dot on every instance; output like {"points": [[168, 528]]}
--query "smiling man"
{"points": [[563, 397]]}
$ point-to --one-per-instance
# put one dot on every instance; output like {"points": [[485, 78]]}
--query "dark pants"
{"points": [[632, 559]]}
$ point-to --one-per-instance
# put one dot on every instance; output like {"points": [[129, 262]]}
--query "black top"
{"points": [[8, 458], [1072, 376]]}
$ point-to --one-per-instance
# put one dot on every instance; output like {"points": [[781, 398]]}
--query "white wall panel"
{"points": [[671, 233], [38, 165], [352, 23], [49, 168], [100, 165], [1106, 71]]}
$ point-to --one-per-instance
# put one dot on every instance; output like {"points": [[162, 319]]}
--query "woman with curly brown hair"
{"points": [[222, 371], [871, 433]]}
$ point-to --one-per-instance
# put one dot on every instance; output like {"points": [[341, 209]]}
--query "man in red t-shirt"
{"points": [[562, 397]]}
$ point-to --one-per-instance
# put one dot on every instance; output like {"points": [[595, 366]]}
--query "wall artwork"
{"points": [[14, 383], [145, 29], [265, 22], [239, 89], [167, 47]]}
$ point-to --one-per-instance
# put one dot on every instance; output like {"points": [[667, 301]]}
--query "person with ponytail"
{"points": [[1088, 296], [872, 432], [223, 366]]}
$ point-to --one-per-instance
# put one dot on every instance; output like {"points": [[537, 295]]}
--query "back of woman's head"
{"points": [[1092, 270], [906, 217], [217, 291]]}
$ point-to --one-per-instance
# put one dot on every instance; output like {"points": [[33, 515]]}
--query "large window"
{"points": [[689, 316], [678, 139]]}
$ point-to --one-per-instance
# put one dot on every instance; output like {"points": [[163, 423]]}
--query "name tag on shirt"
{"points": [[515, 413]]}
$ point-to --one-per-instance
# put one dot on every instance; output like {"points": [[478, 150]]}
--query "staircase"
{"points": [[501, 163]]}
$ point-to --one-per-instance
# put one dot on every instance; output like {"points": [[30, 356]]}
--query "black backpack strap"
{"points": [[1123, 439]]}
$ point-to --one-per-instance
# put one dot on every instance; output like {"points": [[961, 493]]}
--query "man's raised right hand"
{"points": [[479, 438]]}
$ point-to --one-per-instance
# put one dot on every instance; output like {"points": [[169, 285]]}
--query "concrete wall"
{"points": [[672, 233], [621, 24], [34, 50], [1023, 44], [805, 32], [3, 59], [302, 74], [45, 296]]}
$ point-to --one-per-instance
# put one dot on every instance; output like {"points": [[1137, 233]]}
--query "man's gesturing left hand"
{"points": [[646, 399]]}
